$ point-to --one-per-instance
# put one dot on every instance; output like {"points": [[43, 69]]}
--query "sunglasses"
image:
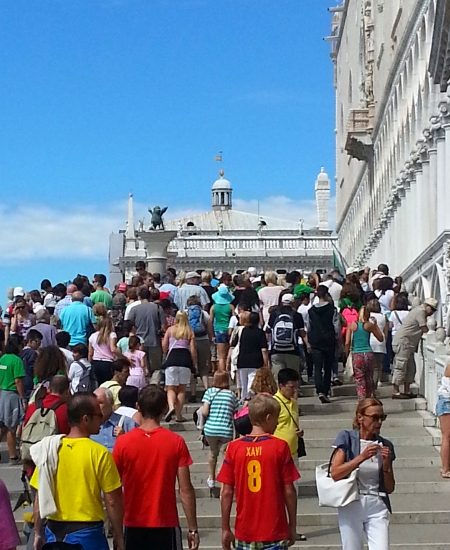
{"points": [[377, 417]]}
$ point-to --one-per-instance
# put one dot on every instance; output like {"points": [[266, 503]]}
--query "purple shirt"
{"points": [[10, 537], [48, 334]]}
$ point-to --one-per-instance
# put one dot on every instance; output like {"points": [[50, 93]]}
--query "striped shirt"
{"points": [[220, 418]]}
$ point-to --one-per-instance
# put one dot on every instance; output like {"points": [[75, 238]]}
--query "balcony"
{"points": [[359, 140]]}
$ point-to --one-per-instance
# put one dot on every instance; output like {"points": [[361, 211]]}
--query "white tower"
{"points": [[222, 193], [129, 233], [322, 199]]}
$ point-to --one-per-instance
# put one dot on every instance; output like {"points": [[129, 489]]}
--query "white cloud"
{"points": [[283, 207], [82, 232]]}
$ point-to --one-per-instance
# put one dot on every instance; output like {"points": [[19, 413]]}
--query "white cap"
{"points": [[252, 271], [18, 291], [287, 298]]}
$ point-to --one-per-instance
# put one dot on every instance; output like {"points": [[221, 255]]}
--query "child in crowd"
{"points": [[138, 360], [261, 469], [128, 330]]}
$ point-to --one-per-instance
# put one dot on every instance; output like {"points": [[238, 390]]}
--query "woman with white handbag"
{"points": [[363, 450]]}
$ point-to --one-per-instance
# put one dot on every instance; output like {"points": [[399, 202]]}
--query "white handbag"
{"points": [[336, 494]]}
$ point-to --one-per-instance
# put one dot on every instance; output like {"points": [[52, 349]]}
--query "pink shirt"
{"points": [[136, 362], [102, 352], [10, 537]]}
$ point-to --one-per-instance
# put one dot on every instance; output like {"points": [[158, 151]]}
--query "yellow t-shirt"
{"points": [[85, 469], [286, 428]]}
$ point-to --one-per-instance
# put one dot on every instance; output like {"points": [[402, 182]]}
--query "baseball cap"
{"points": [[252, 271], [287, 298], [18, 291], [122, 287]]}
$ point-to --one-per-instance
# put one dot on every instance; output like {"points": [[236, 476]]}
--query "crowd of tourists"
{"points": [[88, 374]]}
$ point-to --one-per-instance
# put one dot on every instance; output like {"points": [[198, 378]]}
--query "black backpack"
{"points": [[88, 381]]}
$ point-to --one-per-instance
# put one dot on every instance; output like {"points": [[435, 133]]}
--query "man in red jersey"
{"points": [[260, 468], [150, 459]]}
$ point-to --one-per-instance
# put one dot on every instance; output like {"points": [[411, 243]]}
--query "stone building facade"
{"points": [[392, 64], [224, 239]]}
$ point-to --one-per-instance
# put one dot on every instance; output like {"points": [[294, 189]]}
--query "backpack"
{"points": [[42, 423], [195, 314], [284, 333], [88, 381], [351, 315]]}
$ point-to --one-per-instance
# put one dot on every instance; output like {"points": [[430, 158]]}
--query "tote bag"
{"points": [[336, 494]]}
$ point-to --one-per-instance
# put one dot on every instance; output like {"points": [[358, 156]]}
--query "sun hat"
{"points": [[432, 302], [192, 275], [222, 296]]}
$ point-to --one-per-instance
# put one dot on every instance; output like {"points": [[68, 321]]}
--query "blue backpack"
{"points": [[196, 320]]}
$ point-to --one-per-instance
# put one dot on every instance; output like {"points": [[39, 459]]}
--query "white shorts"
{"points": [[177, 375]]}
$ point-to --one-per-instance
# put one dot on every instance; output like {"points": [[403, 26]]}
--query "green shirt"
{"points": [[11, 367], [102, 297]]}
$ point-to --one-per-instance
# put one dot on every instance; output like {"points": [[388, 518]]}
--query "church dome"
{"points": [[323, 176], [222, 184]]}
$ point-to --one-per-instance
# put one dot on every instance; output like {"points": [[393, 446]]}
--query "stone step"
{"points": [[340, 421], [402, 537], [322, 454], [406, 511], [310, 406]]}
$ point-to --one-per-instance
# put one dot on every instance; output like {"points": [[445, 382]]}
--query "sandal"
{"points": [[445, 475], [400, 396], [182, 419]]}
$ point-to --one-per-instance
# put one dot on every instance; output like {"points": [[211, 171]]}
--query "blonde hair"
{"points": [[181, 330], [271, 277], [105, 327], [181, 278], [260, 407], [206, 277], [364, 314]]}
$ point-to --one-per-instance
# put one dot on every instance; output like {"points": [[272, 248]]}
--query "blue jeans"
{"points": [[91, 538]]}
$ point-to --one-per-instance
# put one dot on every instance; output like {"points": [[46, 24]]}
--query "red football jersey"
{"points": [[259, 467], [148, 463]]}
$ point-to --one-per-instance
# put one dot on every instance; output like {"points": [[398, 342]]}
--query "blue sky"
{"points": [[100, 97]]}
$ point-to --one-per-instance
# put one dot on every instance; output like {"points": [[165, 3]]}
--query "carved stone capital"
{"points": [[436, 128]]}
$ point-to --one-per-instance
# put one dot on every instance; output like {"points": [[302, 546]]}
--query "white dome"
{"points": [[222, 184], [323, 176]]}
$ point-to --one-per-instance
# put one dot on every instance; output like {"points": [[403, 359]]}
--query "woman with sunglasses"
{"points": [[22, 320], [363, 448]]}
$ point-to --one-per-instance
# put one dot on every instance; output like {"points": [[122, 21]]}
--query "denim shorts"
{"points": [[443, 406], [222, 337]]}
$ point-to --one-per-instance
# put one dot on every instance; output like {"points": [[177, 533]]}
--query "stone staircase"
{"points": [[421, 500]]}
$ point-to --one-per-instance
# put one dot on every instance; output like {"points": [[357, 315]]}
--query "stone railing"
{"points": [[263, 245], [431, 360]]}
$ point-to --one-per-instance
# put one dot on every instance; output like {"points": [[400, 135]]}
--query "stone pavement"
{"points": [[421, 500]]}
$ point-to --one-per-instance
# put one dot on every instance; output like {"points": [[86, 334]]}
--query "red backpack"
{"points": [[351, 315]]}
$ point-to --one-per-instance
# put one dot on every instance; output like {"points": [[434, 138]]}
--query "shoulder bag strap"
{"points": [[398, 318], [212, 401], [289, 412]]}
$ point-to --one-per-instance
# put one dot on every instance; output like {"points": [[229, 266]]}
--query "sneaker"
{"points": [[169, 415], [211, 483], [323, 398], [379, 385]]}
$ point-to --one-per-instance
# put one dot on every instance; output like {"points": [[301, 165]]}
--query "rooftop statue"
{"points": [[157, 221]]}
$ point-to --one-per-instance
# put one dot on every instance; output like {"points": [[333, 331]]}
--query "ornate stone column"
{"points": [[445, 121], [419, 215], [156, 243], [431, 185], [439, 136], [425, 193]]}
